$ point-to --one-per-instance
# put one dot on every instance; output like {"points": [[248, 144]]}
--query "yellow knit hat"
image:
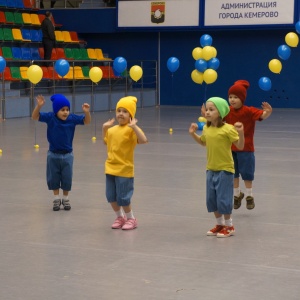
{"points": [[129, 103]]}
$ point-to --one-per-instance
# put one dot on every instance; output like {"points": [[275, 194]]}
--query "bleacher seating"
{"points": [[23, 25]]}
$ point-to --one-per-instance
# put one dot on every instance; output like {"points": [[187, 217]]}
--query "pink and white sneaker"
{"points": [[130, 224], [118, 223]]}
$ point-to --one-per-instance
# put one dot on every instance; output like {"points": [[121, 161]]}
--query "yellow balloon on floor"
{"points": [[197, 53], [95, 74], [35, 74], [275, 66], [292, 39], [197, 76], [210, 76], [136, 72]]}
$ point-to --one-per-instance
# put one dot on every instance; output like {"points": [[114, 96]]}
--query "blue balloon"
{"points": [[62, 67], [200, 65], [2, 64], [284, 52], [116, 73], [265, 83], [213, 63], [173, 64], [205, 40], [200, 125], [120, 64], [297, 26]]}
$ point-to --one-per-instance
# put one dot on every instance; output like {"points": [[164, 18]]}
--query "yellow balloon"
{"points": [[214, 51], [208, 52], [35, 74], [197, 76], [210, 76], [275, 66], [136, 72], [197, 53], [95, 74], [292, 39]]}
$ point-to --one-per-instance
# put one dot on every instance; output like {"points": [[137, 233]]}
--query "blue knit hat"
{"points": [[59, 101]]}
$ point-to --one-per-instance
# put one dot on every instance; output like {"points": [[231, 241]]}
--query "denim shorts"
{"points": [[119, 189], [59, 171], [219, 191], [244, 164]]}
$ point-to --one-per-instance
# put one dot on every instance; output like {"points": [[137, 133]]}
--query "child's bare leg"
{"points": [[56, 201]]}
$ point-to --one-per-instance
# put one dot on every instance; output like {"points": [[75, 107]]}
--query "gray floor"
{"points": [[75, 255]]}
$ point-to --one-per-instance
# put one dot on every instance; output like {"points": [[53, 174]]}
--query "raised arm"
{"points": [[40, 101], [105, 127], [87, 114], [142, 139], [241, 141], [267, 108], [195, 136]]}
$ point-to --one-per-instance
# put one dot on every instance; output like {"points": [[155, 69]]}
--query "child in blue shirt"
{"points": [[60, 133]]}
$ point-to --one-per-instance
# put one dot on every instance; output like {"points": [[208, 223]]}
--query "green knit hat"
{"points": [[221, 105]]}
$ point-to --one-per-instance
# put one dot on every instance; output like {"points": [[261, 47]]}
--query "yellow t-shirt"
{"points": [[218, 143], [121, 142]]}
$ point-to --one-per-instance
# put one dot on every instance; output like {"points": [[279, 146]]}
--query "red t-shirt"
{"points": [[247, 115]]}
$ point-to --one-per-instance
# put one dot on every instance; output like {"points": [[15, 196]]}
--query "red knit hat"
{"points": [[239, 89]]}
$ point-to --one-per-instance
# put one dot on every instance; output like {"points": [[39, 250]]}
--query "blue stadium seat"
{"points": [[35, 55], [26, 34], [2, 3], [16, 52], [36, 35], [11, 3], [19, 4], [26, 54]]}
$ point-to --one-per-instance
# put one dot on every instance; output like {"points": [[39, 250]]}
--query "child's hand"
{"points": [[239, 127], [203, 110], [40, 100], [109, 123], [85, 107], [193, 128], [132, 122], [266, 107]]}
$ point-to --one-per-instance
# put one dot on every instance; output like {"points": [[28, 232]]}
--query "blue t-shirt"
{"points": [[60, 133]]}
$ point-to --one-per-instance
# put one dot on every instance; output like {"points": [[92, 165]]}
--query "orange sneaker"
{"points": [[215, 230], [226, 232]]}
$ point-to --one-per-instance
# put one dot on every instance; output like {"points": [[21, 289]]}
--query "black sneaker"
{"points": [[238, 201], [250, 202], [66, 204], [56, 204]]}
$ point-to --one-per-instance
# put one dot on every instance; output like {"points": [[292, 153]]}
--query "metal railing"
{"points": [[79, 83]]}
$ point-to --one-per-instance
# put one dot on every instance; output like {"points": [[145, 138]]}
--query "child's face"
{"points": [[63, 113], [235, 101], [212, 114], [122, 116]]}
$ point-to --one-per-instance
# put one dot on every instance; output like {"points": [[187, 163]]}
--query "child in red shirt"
{"points": [[244, 160]]}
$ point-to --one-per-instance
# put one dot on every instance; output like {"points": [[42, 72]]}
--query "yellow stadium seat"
{"points": [[100, 56], [91, 53], [17, 35], [67, 37], [26, 19], [23, 72], [35, 20], [78, 74], [59, 36], [70, 75]]}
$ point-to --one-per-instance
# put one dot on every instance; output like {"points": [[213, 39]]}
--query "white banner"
{"points": [[158, 13], [247, 12]]}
